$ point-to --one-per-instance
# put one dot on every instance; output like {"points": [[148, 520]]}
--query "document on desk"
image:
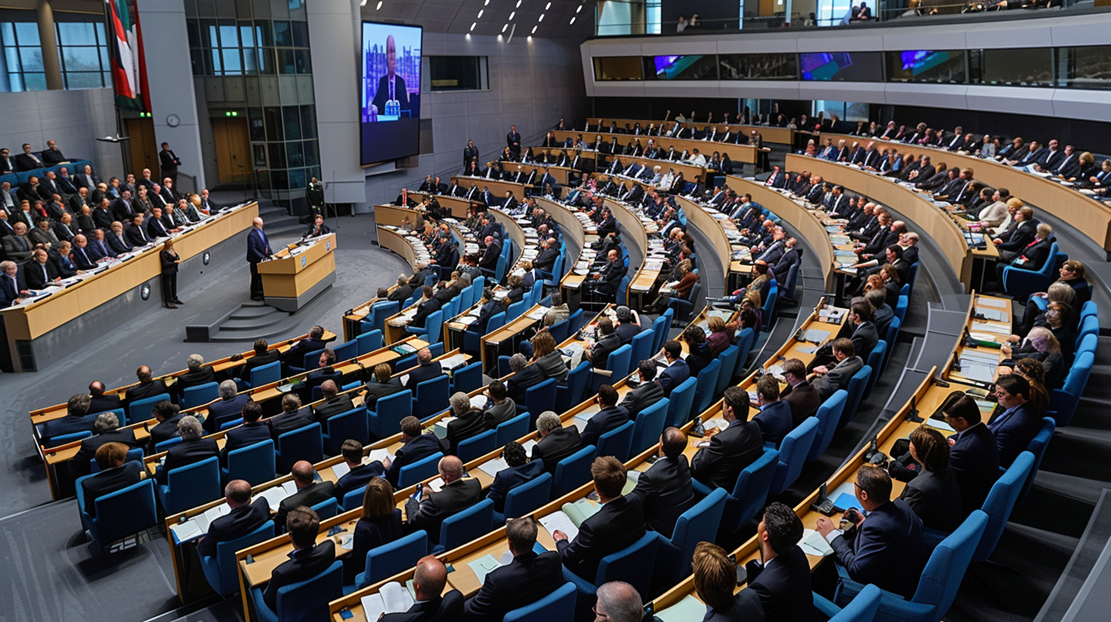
{"points": [[580, 421], [983, 327], [558, 521], [980, 372], [528, 445], [484, 566], [341, 469], [453, 361], [440, 427], [990, 313], [690, 608], [631, 479], [813, 543], [493, 467], [390, 598], [184, 532], [579, 511], [538, 314], [377, 455], [437, 484], [274, 497], [992, 302]]}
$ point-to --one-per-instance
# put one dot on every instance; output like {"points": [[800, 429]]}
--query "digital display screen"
{"points": [[919, 61], [842, 66], [672, 67], [390, 91]]}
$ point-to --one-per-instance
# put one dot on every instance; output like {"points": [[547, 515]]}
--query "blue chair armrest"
{"points": [[825, 606], [581, 585]]}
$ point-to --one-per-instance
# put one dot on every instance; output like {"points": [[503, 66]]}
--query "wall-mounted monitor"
{"points": [[842, 66], [390, 91]]}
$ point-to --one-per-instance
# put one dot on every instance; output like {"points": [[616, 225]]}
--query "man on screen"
{"points": [[391, 86]]}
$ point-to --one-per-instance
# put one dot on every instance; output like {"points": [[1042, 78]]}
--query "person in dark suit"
{"points": [[528, 578], [258, 250], [190, 450], [775, 419], [391, 86], [147, 386], [245, 516], [358, 474], [379, 524], [1032, 256], [715, 578], [309, 491], [383, 385], [416, 446], [429, 509], [115, 474], [467, 422], [229, 406], [933, 494], [800, 395], [556, 442], [168, 161], [308, 558], [732, 449], [782, 577], [609, 417], [167, 415], [503, 408], [647, 393], [524, 377], [98, 401], [608, 281], [676, 371], [292, 417], [79, 418], [197, 375], [973, 453], [426, 369], [887, 549], [315, 341], [40, 271], [838, 376], [334, 402], [117, 240], [402, 292], [250, 432], [432, 604], [520, 472], [428, 305], [136, 234], [1019, 423], [618, 524], [665, 488], [263, 356], [28, 161]]}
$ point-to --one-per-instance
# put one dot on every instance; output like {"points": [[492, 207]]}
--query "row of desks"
{"points": [[771, 134], [740, 154]]}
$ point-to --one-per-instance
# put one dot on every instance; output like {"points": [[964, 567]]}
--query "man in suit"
{"points": [[245, 516], [618, 524], [417, 445], [137, 235], [1019, 422], [334, 403], [524, 377], [78, 419], [10, 284], [428, 509], [167, 415], [520, 472], [383, 385], [198, 373], [155, 227], [426, 369], [358, 474], [648, 392], [665, 488], [309, 491], [250, 432], [973, 453], [715, 577], [123, 209], [730, 450], [775, 419], [292, 417], [609, 417], [782, 577], [503, 408], [98, 401], [84, 258], [115, 474], [192, 448], [86, 179], [677, 369], [513, 140], [105, 430], [391, 87], [263, 356], [618, 602], [308, 558], [7, 163], [606, 283], [228, 407], [147, 386], [258, 250], [428, 305], [402, 292], [555, 441], [526, 579], [1032, 256], [40, 271], [315, 341], [837, 377], [28, 161], [800, 395], [1023, 231], [168, 162], [431, 605], [607, 343], [887, 549]]}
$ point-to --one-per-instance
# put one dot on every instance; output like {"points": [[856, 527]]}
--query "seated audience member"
{"points": [[547, 358], [1019, 422], [607, 342], [383, 385], [359, 473], [520, 472], [309, 491], [973, 453], [334, 402], [245, 516], [432, 604], [503, 408], [676, 371], [665, 488], [250, 432], [556, 442], [379, 524], [426, 369], [80, 417], [115, 474], [197, 375], [191, 449], [646, 393], [147, 387], [427, 510], [782, 576], [558, 312], [308, 558], [105, 430], [293, 417], [731, 449], [428, 305], [800, 395], [416, 445], [295, 356], [1034, 372], [721, 335], [167, 415], [526, 579], [316, 377], [837, 377], [524, 377], [618, 524], [98, 401], [933, 494], [715, 578], [887, 549], [263, 356], [619, 602], [627, 326], [698, 350], [609, 417], [466, 422], [775, 415]]}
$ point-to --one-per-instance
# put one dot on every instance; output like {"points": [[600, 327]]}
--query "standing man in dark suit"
{"points": [[258, 249], [800, 395], [513, 141], [665, 488], [416, 446], [556, 442], [782, 577], [359, 473], [115, 474], [973, 453], [1019, 423], [528, 578], [610, 417], [308, 558], [244, 518], [169, 162], [309, 492], [886, 549], [432, 605], [427, 510], [732, 449], [252, 431], [190, 450], [470, 154], [647, 393]]}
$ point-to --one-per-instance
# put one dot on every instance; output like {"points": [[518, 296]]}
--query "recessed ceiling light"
{"points": [[578, 9], [534, 29], [548, 7], [503, 28], [473, 24], [480, 12], [511, 15], [573, 19], [541, 18]]}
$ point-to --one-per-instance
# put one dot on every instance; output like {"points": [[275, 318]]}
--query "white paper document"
{"points": [[493, 467], [559, 521]]}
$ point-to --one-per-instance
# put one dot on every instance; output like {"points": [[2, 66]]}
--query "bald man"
{"points": [[244, 517], [428, 510], [147, 386], [258, 250], [309, 492], [391, 87], [429, 581], [334, 402]]}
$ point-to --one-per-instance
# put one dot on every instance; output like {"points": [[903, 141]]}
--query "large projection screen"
{"points": [[390, 92]]}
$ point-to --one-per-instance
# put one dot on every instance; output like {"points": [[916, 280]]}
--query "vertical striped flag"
{"points": [[126, 50]]}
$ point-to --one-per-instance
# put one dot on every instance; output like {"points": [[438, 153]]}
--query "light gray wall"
{"points": [[71, 118]]}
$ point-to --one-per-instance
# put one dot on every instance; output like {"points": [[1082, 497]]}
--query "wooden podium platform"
{"points": [[299, 272]]}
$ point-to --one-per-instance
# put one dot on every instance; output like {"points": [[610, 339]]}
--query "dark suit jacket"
{"points": [[420, 373], [470, 423], [886, 550], [803, 399], [309, 496], [258, 360], [358, 477], [142, 391], [666, 491], [377, 390], [730, 451], [222, 410], [838, 377], [186, 453], [447, 608], [34, 274], [673, 376], [303, 564], [603, 421], [110, 481], [420, 447], [508, 479], [1014, 429], [974, 459], [235, 524], [746, 607], [338, 404], [287, 422], [936, 499], [528, 578], [642, 397], [69, 424], [163, 431], [244, 436], [864, 338], [296, 355], [432, 510], [203, 375], [784, 588], [775, 421], [104, 403], [79, 464], [523, 380], [556, 446], [617, 525]]}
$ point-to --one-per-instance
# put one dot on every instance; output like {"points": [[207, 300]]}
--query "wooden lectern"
{"points": [[297, 273]]}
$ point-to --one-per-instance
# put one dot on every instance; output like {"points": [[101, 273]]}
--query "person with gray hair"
{"points": [[106, 430], [465, 422], [292, 417], [197, 375], [526, 579], [228, 407], [524, 377], [9, 283], [556, 442], [192, 448], [618, 602]]}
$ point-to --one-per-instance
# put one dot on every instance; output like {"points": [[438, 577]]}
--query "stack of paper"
{"points": [[483, 566], [440, 427], [494, 466], [341, 469], [690, 608], [377, 455], [391, 598], [528, 445], [579, 511], [813, 543], [558, 521]]}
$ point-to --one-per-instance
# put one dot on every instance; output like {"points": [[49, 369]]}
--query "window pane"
{"points": [[694, 67], [27, 33], [1018, 67], [295, 153], [229, 37], [455, 73], [197, 57], [758, 66], [618, 68], [297, 179], [83, 80], [308, 121], [11, 56], [300, 35], [233, 66], [292, 118], [286, 63], [926, 66], [7, 34], [217, 65], [193, 30], [254, 122], [34, 81], [282, 36], [81, 59], [250, 63], [247, 36], [32, 58], [303, 60], [274, 126], [104, 62], [842, 66], [1087, 67], [76, 33], [266, 60], [279, 179], [262, 31], [312, 155], [277, 155], [16, 82]]}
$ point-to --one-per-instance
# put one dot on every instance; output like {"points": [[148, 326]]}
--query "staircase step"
{"points": [[252, 311], [249, 324], [283, 328]]}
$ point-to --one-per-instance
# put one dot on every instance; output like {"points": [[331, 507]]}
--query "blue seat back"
{"points": [[370, 341], [479, 283], [574, 390], [412, 474], [221, 570], [746, 340], [511, 430], [682, 402], [265, 374], [307, 601], [139, 410], [619, 361], [132, 454], [192, 485], [863, 606], [752, 488], [856, 392], [560, 330], [573, 471], [495, 322], [829, 415], [622, 297], [431, 397], [304, 443], [633, 564], [352, 424], [379, 311], [434, 327], [1063, 401], [790, 284], [642, 346], [792, 454], [768, 310], [346, 350], [698, 524], [515, 310], [944, 572], [389, 559], [1001, 500], [540, 397], [1037, 448], [124, 512], [557, 606], [462, 527], [650, 424], [1088, 326], [311, 360], [578, 320], [728, 359], [704, 387], [201, 394], [326, 509], [901, 307], [660, 328], [529, 496], [477, 446], [67, 438], [467, 378], [388, 413], [891, 338], [168, 443], [875, 361], [253, 463], [617, 442], [353, 499]]}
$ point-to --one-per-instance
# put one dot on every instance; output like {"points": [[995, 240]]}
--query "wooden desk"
{"points": [[493, 342], [24, 323], [644, 279], [458, 206], [723, 235], [497, 187], [771, 134], [298, 273], [741, 154], [574, 223], [689, 171]]}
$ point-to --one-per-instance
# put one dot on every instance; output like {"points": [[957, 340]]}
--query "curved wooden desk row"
{"points": [[640, 227], [689, 171], [771, 134], [1089, 216], [741, 154], [497, 187], [926, 400], [724, 237]]}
